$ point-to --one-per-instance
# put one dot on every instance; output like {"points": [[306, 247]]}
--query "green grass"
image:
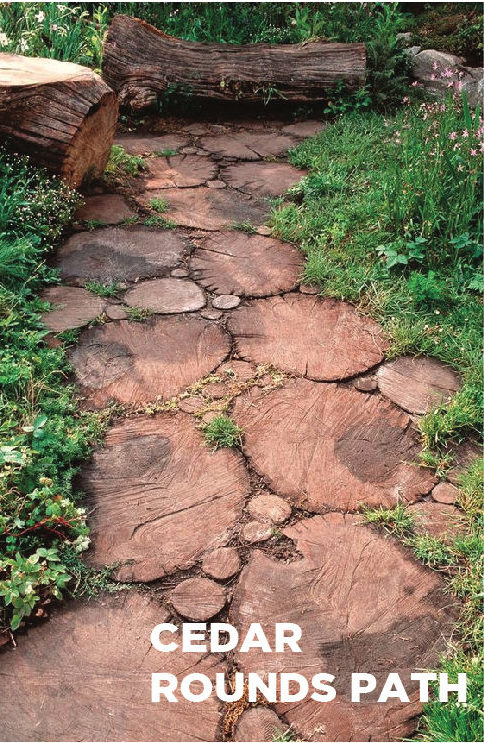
{"points": [[138, 314], [222, 432], [242, 227], [121, 164], [395, 521], [156, 220], [103, 290], [158, 205], [43, 434]]}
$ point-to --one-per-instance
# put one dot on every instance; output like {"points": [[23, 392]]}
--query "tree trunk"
{"points": [[140, 62], [60, 114]]}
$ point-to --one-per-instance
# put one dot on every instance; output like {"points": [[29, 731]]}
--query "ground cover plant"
{"points": [[43, 436]]}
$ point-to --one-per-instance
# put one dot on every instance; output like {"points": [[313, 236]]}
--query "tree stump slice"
{"points": [[180, 171], [166, 296], [99, 684], [262, 179], [362, 603], [329, 447], [119, 254], [440, 520], [198, 599], [221, 563], [259, 724], [324, 340], [245, 145], [106, 208], [140, 62], [136, 363], [251, 265], [60, 114], [150, 485], [72, 307], [417, 383]]}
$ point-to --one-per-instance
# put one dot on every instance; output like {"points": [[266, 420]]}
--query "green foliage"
{"points": [[103, 290], [159, 205], [138, 314], [121, 164], [155, 220], [43, 435], [242, 227], [451, 27], [396, 520], [222, 431]]}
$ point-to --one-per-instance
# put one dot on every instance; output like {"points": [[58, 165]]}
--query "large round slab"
{"points": [[138, 362], [303, 129], [329, 447], [262, 179], [119, 254], [211, 209], [150, 485], [86, 675], [166, 296], [72, 307], [198, 599], [108, 208], [259, 724], [440, 520], [236, 263], [245, 145], [322, 339], [139, 145], [363, 605], [180, 171], [417, 383]]}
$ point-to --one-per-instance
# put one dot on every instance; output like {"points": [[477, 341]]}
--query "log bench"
{"points": [[140, 63], [61, 114]]}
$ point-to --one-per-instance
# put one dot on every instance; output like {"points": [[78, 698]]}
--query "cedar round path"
{"points": [[362, 603], [233, 262], [165, 296], [417, 384], [160, 497], [72, 307], [198, 599], [179, 171], [328, 448], [86, 675], [321, 339], [119, 254], [263, 179], [247, 145], [136, 363]]}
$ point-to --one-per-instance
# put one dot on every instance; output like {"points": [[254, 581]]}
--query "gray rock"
{"points": [[226, 302]]}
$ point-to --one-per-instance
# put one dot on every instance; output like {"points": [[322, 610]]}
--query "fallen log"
{"points": [[60, 114], [140, 63]]}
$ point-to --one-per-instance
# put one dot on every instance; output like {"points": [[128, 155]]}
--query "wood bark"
{"points": [[60, 114], [140, 62]]}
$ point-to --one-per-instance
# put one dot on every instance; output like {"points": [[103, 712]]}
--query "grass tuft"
{"points": [[222, 432]]}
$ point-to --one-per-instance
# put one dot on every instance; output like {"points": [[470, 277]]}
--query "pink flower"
{"points": [[465, 133], [447, 72], [453, 135], [435, 66], [474, 153], [432, 77]]}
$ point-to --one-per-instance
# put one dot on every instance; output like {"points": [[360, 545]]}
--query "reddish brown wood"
{"points": [[140, 62], [60, 114]]}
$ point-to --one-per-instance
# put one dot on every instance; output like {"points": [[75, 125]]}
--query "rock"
{"points": [[323, 339], [404, 37], [119, 254], [262, 178], [226, 302], [180, 171], [191, 404], [473, 86], [135, 363], [211, 209], [198, 599], [365, 384], [308, 289], [222, 563], [237, 263], [264, 230], [417, 384], [151, 483], [211, 314], [424, 70], [99, 684], [240, 371], [179, 273], [188, 151], [256, 531], [440, 520], [73, 307], [115, 312], [269, 508], [303, 129], [245, 145], [166, 296], [362, 603], [444, 492], [136, 145], [216, 184], [259, 724], [328, 447], [107, 208]]}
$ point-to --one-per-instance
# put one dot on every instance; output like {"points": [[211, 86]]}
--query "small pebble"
{"points": [[308, 289], [115, 312], [255, 531], [264, 230], [365, 384], [444, 492], [210, 314], [216, 184], [180, 273], [226, 302]]}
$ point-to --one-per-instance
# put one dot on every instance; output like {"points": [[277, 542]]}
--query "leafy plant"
{"points": [[156, 220], [103, 290], [138, 314], [222, 432], [159, 205], [121, 164], [242, 227]]}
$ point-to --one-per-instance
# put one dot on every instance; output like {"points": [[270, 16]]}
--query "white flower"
{"points": [[4, 40], [40, 16], [23, 45]]}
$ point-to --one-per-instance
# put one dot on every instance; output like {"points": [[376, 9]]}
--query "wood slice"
{"points": [[324, 446], [140, 62], [321, 339], [444, 492], [149, 145], [180, 171], [107, 208], [72, 307], [259, 724], [198, 599], [222, 563], [269, 508], [151, 484], [440, 520], [236, 263], [86, 674], [362, 603], [119, 254], [60, 114], [136, 363], [210, 209], [244, 145], [262, 179], [166, 296], [417, 383]]}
